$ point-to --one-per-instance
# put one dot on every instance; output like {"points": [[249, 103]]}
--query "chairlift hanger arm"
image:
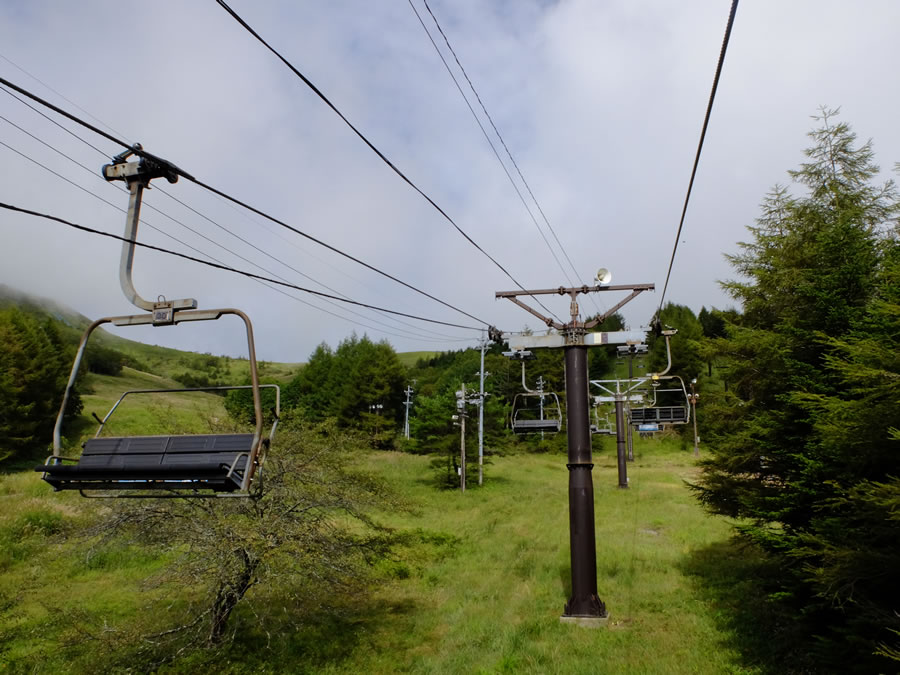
{"points": [[137, 176], [524, 385], [667, 334]]}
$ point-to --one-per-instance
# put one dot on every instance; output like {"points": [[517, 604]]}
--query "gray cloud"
{"points": [[600, 102]]}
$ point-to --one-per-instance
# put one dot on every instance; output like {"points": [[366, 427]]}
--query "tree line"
{"points": [[803, 442]]}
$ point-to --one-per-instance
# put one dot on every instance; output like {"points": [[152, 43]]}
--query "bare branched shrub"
{"points": [[308, 535]]}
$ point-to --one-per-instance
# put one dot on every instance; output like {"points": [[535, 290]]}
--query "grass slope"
{"points": [[493, 605], [149, 414], [409, 359], [479, 588]]}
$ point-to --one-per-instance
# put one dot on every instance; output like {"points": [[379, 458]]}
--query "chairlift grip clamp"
{"points": [[147, 168]]}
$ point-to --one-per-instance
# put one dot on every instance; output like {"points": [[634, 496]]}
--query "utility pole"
{"points": [[540, 388], [584, 605], [629, 430], [692, 399], [461, 412], [483, 345], [407, 403], [629, 434], [376, 409]]}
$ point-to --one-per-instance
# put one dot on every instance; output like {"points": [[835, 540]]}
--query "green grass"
{"points": [[168, 362], [147, 414], [409, 359], [492, 604], [478, 587]]}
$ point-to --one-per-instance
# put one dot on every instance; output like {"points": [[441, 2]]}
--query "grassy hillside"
{"points": [[478, 585], [479, 588], [148, 414], [409, 359]]}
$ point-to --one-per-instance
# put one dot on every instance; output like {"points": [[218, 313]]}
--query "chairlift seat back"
{"points": [[670, 414]]}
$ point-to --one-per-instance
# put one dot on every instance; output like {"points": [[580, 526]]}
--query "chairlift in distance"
{"points": [[663, 415], [196, 465], [534, 411], [606, 428], [528, 418], [653, 415]]}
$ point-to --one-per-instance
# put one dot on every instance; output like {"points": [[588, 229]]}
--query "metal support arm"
{"points": [[137, 175]]}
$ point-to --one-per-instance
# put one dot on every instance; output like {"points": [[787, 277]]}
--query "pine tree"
{"points": [[343, 383], [34, 369], [793, 361]]}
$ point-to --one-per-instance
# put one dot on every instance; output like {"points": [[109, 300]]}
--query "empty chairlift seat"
{"points": [[535, 413], [214, 462], [531, 426], [165, 466]]}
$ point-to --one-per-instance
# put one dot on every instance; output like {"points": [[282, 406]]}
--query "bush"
{"points": [[308, 535], [104, 360]]}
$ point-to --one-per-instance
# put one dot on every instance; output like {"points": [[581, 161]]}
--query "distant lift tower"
{"points": [[573, 338]]}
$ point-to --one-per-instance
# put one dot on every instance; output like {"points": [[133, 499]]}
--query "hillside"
{"points": [[163, 361], [358, 558], [10, 296]]}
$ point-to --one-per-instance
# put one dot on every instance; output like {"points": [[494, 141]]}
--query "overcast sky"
{"points": [[600, 102]]}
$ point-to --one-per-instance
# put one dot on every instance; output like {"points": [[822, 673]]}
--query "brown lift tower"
{"points": [[573, 337]]}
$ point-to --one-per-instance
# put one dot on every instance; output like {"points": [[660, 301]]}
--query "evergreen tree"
{"points": [[851, 546], [803, 491], [713, 323], [34, 367], [343, 383]]}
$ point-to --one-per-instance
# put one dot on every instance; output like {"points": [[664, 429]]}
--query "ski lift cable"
{"points": [[196, 250], [503, 142], [150, 206], [418, 335], [213, 258], [483, 130], [275, 231], [226, 268], [712, 98], [262, 251], [371, 146], [50, 119], [62, 96], [142, 153]]}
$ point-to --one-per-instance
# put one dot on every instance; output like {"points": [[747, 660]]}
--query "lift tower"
{"points": [[574, 339]]}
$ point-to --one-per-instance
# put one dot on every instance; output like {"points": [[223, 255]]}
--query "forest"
{"points": [[777, 547]]}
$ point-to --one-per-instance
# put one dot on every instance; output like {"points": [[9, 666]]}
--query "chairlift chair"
{"points": [[606, 428], [664, 414], [532, 418], [196, 465], [530, 413]]}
